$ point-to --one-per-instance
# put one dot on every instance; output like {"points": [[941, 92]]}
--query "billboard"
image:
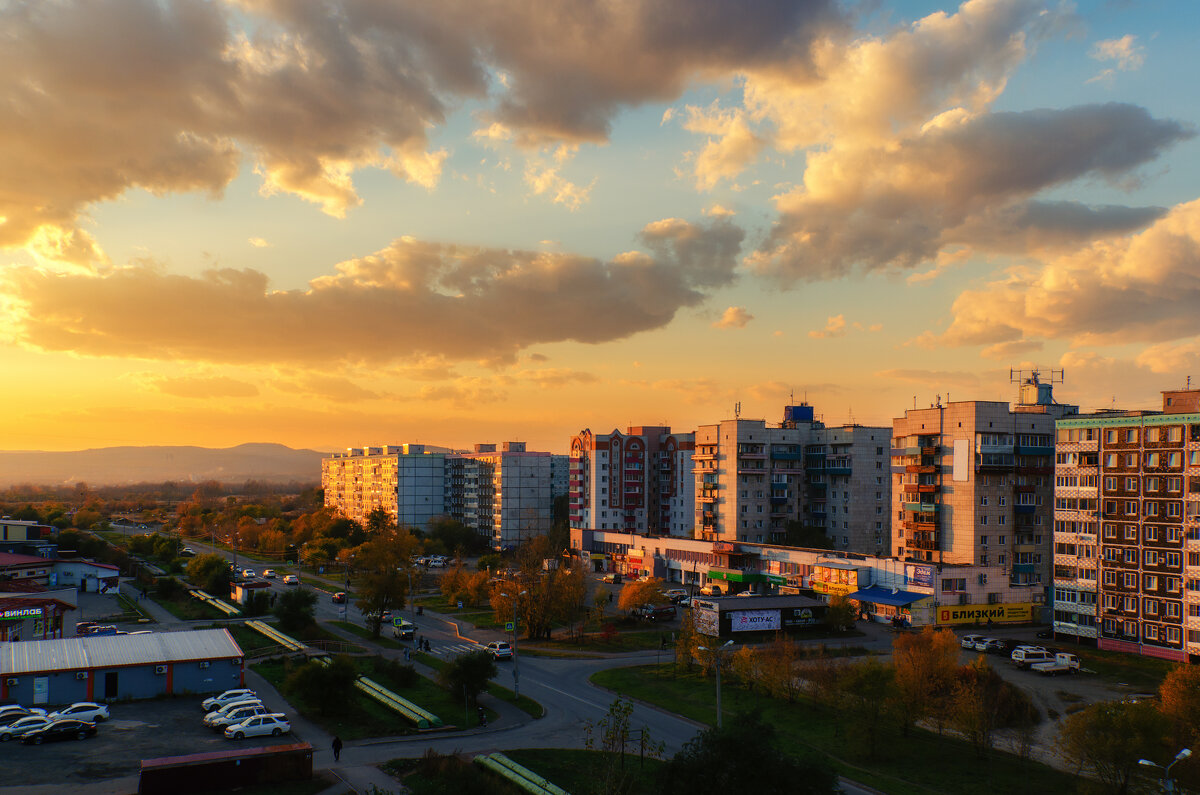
{"points": [[833, 580], [919, 575], [754, 620], [1021, 612], [800, 617], [706, 621]]}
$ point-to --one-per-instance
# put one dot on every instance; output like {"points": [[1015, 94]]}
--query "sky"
{"points": [[345, 223]]}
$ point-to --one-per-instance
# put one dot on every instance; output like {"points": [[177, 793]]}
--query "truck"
{"points": [[1061, 664]]}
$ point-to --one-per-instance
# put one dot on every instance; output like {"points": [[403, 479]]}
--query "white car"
{"points": [[291, 579], [969, 641], [269, 573], [228, 697], [248, 574], [88, 711], [238, 715], [500, 650], [273, 724], [23, 726], [230, 707], [9, 710]]}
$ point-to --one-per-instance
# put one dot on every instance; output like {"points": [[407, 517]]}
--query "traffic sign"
{"points": [[509, 626], [460, 604]]}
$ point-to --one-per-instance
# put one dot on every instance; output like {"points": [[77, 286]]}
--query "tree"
{"points": [[386, 561], [541, 595], [329, 687], [468, 674], [742, 757], [687, 642], [926, 666], [840, 614], [1179, 696], [295, 608], [640, 592], [1108, 739], [610, 737], [982, 702], [210, 572], [864, 689]]}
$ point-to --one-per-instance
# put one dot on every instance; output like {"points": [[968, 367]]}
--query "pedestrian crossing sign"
{"points": [[509, 626]]}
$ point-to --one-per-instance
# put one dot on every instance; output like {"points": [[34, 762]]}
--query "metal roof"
{"points": [[111, 651]]}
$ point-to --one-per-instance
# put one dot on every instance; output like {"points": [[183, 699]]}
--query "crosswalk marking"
{"points": [[456, 649]]}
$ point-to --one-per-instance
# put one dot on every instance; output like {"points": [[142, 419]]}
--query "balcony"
{"points": [[777, 485], [780, 456], [841, 469], [932, 449], [708, 496], [921, 469], [1034, 450], [1024, 509], [924, 541], [920, 488], [922, 507], [777, 499]]}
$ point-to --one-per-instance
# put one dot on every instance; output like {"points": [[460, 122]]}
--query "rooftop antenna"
{"points": [[1189, 382], [737, 410]]}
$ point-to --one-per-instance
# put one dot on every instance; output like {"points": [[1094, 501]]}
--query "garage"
{"points": [[119, 667]]}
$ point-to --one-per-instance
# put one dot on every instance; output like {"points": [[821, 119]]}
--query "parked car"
{"points": [[746, 594], [273, 724], [500, 650], [685, 602], [231, 707], [987, 644], [22, 726], [60, 730], [248, 574], [1046, 634], [969, 641], [228, 697], [1061, 664], [269, 573], [436, 563], [675, 594], [86, 711], [655, 612], [19, 711], [291, 579], [339, 598], [187, 552], [236, 715], [711, 590], [613, 577]]}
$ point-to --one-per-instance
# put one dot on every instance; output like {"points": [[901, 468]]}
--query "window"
{"points": [[1131, 460], [983, 520], [1150, 582], [1002, 500], [1131, 436], [983, 541], [1110, 578]]}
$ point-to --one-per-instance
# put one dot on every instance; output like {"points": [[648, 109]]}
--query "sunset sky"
{"points": [[350, 222]]}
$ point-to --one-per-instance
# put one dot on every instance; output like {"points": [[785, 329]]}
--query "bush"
{"points": [[168, 588], [294, 609], [328, 687], [397, 672]]}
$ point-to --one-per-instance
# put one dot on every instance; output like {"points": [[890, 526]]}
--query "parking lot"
{"points": [[137, 730]]}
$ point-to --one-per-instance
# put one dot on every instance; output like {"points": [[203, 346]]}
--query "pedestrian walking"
{"points": [[337, 748], [428, 648], [482, 717]]}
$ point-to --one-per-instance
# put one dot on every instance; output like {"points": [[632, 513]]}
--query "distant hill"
{"points": [[106, 466]]}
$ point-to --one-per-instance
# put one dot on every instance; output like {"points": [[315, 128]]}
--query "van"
{"points": [[1023, 657]]}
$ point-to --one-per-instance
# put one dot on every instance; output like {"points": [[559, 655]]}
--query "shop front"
{"points": [[890, 605]]}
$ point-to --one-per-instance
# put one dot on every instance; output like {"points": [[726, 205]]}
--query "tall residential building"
{"points": [[504, 494], [973, 483], [849, 486], [1127, 528], [407, 481], [750, 477], [560, 475], [639, 481]]}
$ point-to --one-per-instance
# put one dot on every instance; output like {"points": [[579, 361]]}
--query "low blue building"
{"points": [[117, 667]]}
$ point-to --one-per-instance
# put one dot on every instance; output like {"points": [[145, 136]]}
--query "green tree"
{"points": [[742, 757], [210, 572], [982, 702], [328, 687], [468, 674], [840, 614], [388, 573], [295, 609], [926, 668], [864, 689], [1108, 739]]}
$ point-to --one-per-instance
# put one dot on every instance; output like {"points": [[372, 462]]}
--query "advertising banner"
{"points": [[754, 620], [706, 622], [834, 581], [919, 575], [980, 614], [800, 617]]}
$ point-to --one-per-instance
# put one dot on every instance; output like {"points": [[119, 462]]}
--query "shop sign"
{"points": [[981, 614], [20, 613], [919, 575], [723, 546], [833, 581], [754, 620], [800, 617]]}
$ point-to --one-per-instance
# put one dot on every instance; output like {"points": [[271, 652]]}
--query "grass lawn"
{"points": [[572, 769], [523, 703], [1140, 673], [250, 640], [364, 717], [189, 608], [364, 633], [317, 783], [923, 762]]}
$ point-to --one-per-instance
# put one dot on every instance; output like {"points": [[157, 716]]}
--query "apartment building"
{"points": [[973, 483], [504, 494], [849, 486], [1127, 528], [750, 478], [639, 481]]}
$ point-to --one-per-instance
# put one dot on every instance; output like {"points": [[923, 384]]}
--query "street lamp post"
{"points": [[516, 658], [717, 656], [1168, 783]]}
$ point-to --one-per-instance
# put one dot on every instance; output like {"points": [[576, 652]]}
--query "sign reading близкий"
{"points": [[981, 614]]}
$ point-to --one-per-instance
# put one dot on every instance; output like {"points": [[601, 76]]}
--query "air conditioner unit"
{"points": [[236, 661], [205, 664], [81, 675], [160, 669], [11, 681]]}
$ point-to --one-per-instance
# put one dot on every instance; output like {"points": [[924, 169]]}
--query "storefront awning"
{"points": [[886, 596]]}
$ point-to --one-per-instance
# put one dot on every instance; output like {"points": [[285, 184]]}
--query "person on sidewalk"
{"points": [[337, 748]]}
